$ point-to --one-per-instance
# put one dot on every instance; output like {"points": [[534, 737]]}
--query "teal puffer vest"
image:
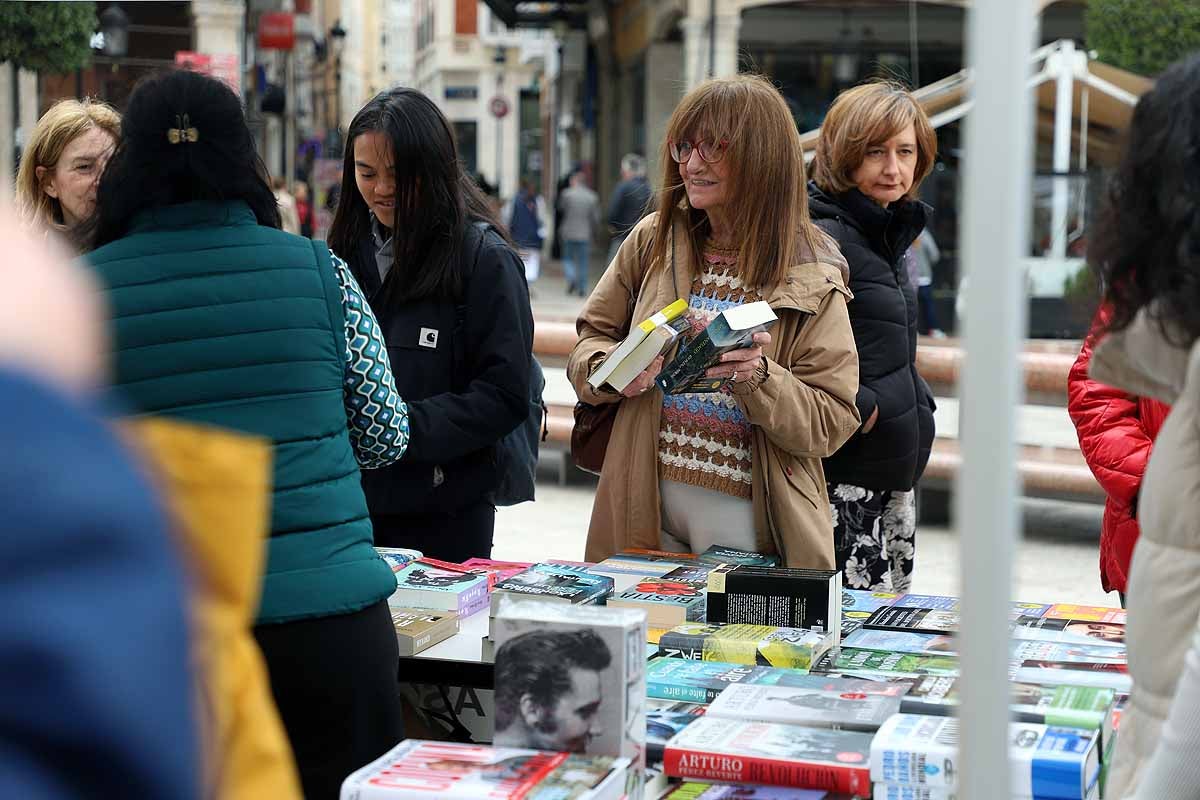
{"points": [[219, 320]]}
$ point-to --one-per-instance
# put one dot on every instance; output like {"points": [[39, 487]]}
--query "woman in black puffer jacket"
{"points": [[876, 147]]}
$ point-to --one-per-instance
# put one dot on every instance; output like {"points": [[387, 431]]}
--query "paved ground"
{"points": [[1056, 561]]}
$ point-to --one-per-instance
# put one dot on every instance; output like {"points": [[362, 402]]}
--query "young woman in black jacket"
{"points": [[449, 292], [875, 148]]}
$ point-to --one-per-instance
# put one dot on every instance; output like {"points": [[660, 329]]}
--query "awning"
{"points": [[1111, 95], [540, 14]]}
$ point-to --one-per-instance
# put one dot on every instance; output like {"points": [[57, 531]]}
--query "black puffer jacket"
{"points": [[883, 314]]}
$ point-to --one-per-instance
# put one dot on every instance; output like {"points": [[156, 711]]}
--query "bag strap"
{"points": [[460, 305]]}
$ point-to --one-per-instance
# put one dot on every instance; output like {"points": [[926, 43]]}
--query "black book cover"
{"points": [[790, 598]]}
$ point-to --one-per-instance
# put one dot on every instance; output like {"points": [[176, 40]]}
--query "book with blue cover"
{"points": [[858, 604], [720, 554], [733, 328], [422, 584], [703, 681], [1047, 762], [901, 642], [554, 583]]}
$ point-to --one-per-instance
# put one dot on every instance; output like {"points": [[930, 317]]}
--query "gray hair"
{"points": [[634, 164]]}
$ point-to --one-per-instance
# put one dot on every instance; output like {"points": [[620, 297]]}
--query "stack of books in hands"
{"points": [[646, 341]]}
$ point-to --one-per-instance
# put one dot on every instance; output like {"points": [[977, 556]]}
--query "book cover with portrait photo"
{"points": [[571, 678]]}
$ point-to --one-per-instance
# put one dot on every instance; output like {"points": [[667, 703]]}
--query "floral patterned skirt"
{"points": [[874, 534]]}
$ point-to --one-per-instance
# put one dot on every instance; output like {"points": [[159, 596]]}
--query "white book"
{"points": [[637, 335], [815, 706], [572, 678], [657, 342], [918, 750]]}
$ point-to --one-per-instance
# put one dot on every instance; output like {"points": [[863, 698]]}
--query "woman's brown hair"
{"points": [[863, 117], [767, 199]]}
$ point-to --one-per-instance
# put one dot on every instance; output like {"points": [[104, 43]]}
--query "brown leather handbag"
{"points": [[594, 424], [589, 438]]}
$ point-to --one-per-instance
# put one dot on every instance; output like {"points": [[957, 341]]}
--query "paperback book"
{"points": [[858, 604], [731, 329], [1068, 629], [703, 681], [627, 569], [424, 584], [500, 570], [709, 791], [1047, 762], [418, 630], [947, 603], [398, 557], [668, 601], [870, 663], [555, 584], [421, 769], [918, 620], [772, 754], [634, 350], [761, 645], [789, 598], [663, 721], [1068, 651], [720, 554], [573, 679], [901, 642], [1058, 673], [794, 705], [1086, 613]]}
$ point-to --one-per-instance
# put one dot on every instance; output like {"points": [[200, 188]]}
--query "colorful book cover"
{"points": [[667, 601], [398, 557], [1089, 613], [422, 584], [710, 791], [792, 705], [762, 645], [732, 328], [500, 569], [772, 754], [1057, 673], [571, 678], [902, 642], [703, 681], [908, 618], [554, 583], [416, 769], [663, 721], [720, 554], [862, 662], [858, 604], [418, 630], [1046, 762], [1068, 651], [1067, 629]]}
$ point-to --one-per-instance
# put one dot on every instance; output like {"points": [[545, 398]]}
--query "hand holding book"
{"points": [[739, 365], [645, 379]]}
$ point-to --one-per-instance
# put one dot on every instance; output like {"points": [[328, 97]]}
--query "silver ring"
{"points": [[643, 390]]}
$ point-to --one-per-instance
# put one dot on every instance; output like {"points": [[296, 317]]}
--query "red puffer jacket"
{"points": [[1116, 432]]}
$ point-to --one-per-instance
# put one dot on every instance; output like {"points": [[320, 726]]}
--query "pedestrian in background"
{"points": [[288, 215], [1146, 245], [304, 210], [525, 217], [449, 291], [740, 467], [629, 203], [1116, 435], [580, 208], [926, 255], [62, 163], [220, 318], [875, 148]]}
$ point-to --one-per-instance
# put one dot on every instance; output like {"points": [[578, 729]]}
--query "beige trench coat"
{"points": [[801, 413]]}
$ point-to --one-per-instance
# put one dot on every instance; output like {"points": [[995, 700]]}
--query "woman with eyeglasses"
{"points": [[875, 148], [740, 467]]}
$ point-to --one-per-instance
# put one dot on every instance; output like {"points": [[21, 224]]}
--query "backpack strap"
{"points": [[460, 305]]}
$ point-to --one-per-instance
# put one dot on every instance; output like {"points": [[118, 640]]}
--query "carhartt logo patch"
{"points": [[428, 338]]}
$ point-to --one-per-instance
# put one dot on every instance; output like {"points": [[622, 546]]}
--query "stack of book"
{"points": [[790, 598], [649, 339], [675, 598], [761, 645], [438, 586], [553, 583], [422, 769]]}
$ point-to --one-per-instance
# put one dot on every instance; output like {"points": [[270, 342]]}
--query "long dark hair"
{"points": [[435, 199], [153, 167], [1147, 237]]}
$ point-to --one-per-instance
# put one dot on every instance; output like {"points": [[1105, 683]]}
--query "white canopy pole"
{"points": [[996, 204], [1064, 69]]}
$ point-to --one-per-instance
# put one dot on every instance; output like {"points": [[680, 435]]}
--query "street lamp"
{"points": [[114, 25]]}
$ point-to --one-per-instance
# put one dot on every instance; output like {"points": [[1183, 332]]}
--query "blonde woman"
{"points": [[741, 468], [875, 148], [62, 164]]}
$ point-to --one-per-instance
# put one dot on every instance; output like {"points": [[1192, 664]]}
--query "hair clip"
{"points": [[184, 133]]}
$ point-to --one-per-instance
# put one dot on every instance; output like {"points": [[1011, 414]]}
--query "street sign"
{"points": [[276, 30], [498, 106]]}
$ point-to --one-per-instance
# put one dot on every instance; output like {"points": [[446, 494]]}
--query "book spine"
{"points": [[699, 765], [688, 364], [659, 690], [914, 764]]}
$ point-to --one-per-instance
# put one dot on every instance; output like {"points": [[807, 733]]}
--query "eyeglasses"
{"points": [[710, 151]]}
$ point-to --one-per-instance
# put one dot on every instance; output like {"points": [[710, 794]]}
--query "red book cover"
{"points": [[773, 754], [451, 566]]}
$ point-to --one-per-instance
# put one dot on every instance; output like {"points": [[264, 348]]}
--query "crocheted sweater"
{"points": [[704, 439]]}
